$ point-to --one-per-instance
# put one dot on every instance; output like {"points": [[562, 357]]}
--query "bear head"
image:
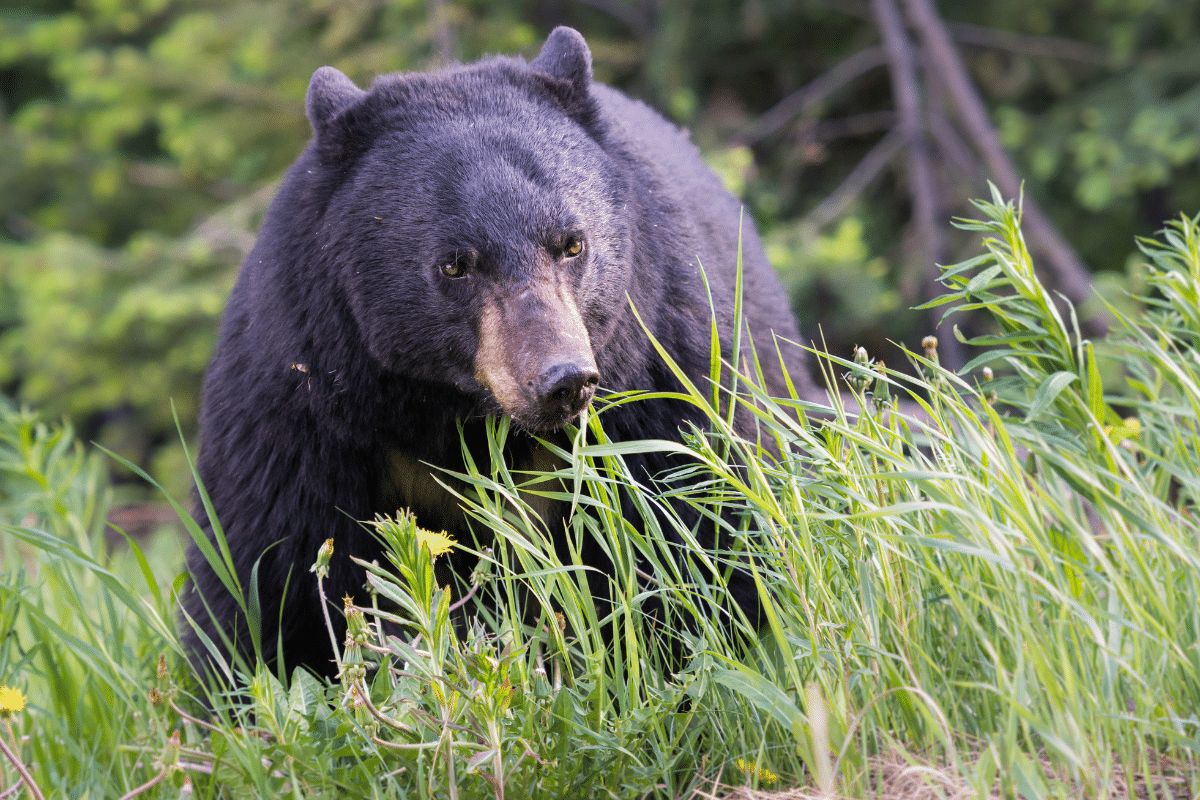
{"points": [[478, 226]]}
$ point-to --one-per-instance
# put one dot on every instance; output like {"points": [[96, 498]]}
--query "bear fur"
{"points": [[415, 272]]}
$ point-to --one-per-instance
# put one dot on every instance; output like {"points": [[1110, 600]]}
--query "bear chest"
{"points": [[409, 483]]}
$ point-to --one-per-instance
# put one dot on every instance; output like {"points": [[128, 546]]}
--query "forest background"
{"points": [[141, 140]]}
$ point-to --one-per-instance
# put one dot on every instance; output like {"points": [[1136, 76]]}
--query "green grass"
{"points": [[1002, 588]]}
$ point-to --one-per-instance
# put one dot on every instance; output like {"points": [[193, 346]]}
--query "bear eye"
{"points": [[455, 267], [572, 247]]}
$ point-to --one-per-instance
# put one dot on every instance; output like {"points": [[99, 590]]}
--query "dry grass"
{"points": [[899, 777]]}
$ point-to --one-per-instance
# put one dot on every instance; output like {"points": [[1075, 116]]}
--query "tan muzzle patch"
{"points": [[522, 335]]}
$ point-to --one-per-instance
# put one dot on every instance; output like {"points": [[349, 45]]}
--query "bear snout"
{"points": [[535, 356], [565, 390]]}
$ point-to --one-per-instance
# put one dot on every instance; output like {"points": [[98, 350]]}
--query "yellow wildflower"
{"points": [[750, 769], [1126, 433], [12, 701], [437, 543]]}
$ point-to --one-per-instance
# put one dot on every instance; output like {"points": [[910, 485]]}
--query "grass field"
{"points": [[997, 595]]}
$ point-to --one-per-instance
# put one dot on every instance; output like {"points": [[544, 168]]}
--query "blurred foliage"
{"points": [[139, 140]]}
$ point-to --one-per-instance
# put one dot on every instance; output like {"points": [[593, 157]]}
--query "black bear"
{"points": [[450, 246]]}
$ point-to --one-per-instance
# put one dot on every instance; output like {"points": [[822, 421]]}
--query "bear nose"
{"points": [[566, 389]]}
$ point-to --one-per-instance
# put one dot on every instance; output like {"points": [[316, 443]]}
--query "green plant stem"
{"points": [[337, 652], [497, 758]]}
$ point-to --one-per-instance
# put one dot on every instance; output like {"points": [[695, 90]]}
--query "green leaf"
{"points": [[762, 694], [1048, 391]]}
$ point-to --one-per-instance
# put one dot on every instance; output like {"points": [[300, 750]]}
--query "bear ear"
{"points": [[329, 94], [565, 56]]}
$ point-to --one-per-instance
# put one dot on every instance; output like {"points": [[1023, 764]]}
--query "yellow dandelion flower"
{"points": [[12, 701], [437, 543], [752, 770]]}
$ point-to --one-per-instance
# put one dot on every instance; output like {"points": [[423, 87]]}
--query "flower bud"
{"points": [[321, 567], [860, 379], [170, 753], [881, 395], [357, 630]]}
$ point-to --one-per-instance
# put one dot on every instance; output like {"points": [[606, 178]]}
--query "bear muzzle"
{"points": [[536, 360]]}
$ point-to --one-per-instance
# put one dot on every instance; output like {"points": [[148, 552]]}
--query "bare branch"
{"points": [[852, 8], [1028, 44], [959, 163], [921, 186], [903, 73], [951, 145], [812, 93], [848, 126], [862, 176], [1068, 272]]}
